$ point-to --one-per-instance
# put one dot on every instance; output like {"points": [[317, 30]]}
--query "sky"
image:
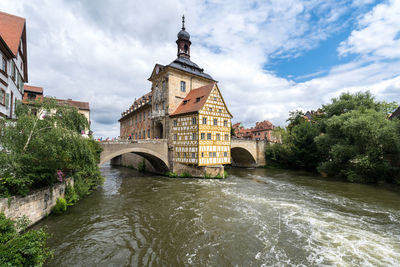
{"points": [[269, 56]]}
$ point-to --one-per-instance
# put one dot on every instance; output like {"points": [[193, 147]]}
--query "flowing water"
{"points": [[256, 217]]}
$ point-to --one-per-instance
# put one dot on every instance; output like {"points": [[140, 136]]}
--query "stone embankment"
{"points": [[36, 205]]}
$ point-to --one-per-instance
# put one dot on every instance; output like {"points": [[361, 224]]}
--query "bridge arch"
{"points": [[157, 160], [242, 157]]}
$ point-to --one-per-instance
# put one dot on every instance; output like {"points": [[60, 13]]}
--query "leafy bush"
{"points": [[70, 195], [171, 174], [60, 207], [226, 174], [185, 175], [19, 247], [33, 150]]}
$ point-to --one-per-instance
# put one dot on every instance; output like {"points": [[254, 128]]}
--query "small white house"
{"points": [[13, 65]]}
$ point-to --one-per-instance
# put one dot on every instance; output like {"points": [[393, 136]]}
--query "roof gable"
{"points": [[220, 95], [156, 70], [194, 100], [11, 30]]}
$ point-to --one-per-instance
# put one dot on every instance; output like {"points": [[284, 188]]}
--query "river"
{"points": [[256, 217]]}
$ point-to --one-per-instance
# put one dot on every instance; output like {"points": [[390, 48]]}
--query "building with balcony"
{"points": [[14, 64]]}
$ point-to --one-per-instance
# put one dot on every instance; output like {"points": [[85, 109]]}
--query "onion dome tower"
{"points": [[183, 41]]}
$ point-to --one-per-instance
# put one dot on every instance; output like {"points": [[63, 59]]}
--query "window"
{"points": [[218, 137], [183, 86], [148, 133], [203, 136], [13, 70], [193, 155], [163, 105], [220, 110], [184, 154], [2, 97], [144, 116], [225, 154], [215, 121], [164, 85], [194, 136], [194, 121], [210, 154], [202, 154], [208, 136], [215, 98], [175, 136], [226, 137], [177, 153], [4, 65], [185, 102], [226, 123], [204, 120], [140, 136], [198, 99], [175, 122], [210, 109], [214, 154], [144, 134]]}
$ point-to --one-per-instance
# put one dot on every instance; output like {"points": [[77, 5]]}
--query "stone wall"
{"points": [[198, 171], [36, 205]]}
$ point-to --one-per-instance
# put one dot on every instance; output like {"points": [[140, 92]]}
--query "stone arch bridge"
{"points": [[244, 153]]}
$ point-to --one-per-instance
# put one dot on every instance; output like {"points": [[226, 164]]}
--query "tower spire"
{"points": [[183, 41]]}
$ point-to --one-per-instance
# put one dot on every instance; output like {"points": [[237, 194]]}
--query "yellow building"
{"points": [[201, 128]]}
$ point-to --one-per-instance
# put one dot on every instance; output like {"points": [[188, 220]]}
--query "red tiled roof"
{"points": [[72, 103], [264, 125], [11, 28], [189, 103], [35, 89]]}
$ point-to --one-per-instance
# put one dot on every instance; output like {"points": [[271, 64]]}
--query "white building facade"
{"points": [[13, 63]]}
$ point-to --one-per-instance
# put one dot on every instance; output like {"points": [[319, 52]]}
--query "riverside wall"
{"points": [[36, 205]]}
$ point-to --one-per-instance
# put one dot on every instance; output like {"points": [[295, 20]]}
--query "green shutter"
{"points": [[7, 100]]}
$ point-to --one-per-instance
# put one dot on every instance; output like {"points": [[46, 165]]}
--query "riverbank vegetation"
{"points": [[44, 146], [351, 137], [19, 247]]}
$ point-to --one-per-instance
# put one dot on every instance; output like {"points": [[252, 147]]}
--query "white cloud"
{"points": [[376, 33], [104, 51]]}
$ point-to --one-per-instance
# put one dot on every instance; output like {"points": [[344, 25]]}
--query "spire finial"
{"points": [[183, 22]]}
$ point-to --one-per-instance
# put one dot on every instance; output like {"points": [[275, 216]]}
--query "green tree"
{"points": [[43, 140], [347, 102], [298, 149], [295, 118], [360, 145]]}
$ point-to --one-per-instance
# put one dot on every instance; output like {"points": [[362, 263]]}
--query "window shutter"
{"points": [[7, 100]]}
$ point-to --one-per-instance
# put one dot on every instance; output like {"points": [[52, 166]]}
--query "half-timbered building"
{"points": [[201, 128]]}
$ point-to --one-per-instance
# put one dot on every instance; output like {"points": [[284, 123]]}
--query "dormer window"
{"points": [[198, 99], [185, 102], [183, 86]]}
